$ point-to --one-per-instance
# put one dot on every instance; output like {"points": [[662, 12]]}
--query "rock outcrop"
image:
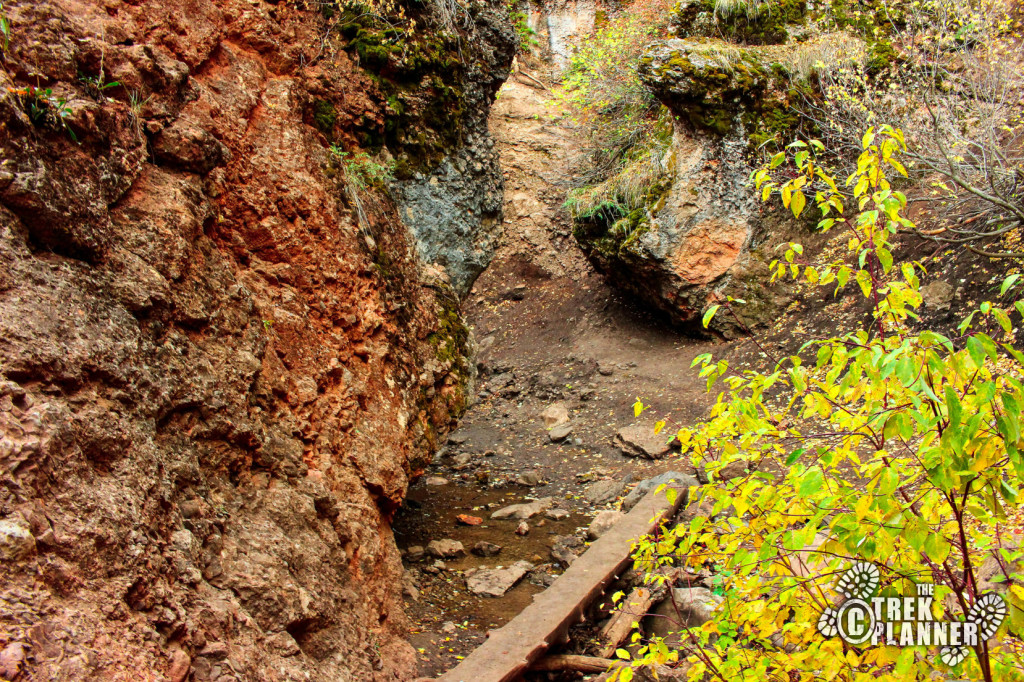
{"points": [[219, 365], [699, 237]]}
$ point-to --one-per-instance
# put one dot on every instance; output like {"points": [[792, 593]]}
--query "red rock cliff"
{"points": [[215, 378]]}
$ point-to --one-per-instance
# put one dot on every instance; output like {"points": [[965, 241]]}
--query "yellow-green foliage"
{"points": [[893, 446]]}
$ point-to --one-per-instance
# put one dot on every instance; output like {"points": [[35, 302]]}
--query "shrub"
{"points": [[895, 450]]}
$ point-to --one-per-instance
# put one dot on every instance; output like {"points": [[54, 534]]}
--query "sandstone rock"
{"points": [[16, 540], [603, 523], [603, 492], [564, 549], [680, 480], [556, 514], [735, 469], [446, 549], [486, 549], [938, 295], [415, 553], [641, 441], [529, 478], [524, 510], [436, 481], [560, 433], [554, 415], [695, 606], [12, 658], [179, 667], [523, 528], [495, 582]]}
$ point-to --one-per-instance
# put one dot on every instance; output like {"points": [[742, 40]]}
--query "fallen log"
{"points": [[618, 627], [579, 664], [509, 651]]}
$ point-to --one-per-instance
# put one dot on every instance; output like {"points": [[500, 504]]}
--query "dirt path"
{"points": [[549, 330]]}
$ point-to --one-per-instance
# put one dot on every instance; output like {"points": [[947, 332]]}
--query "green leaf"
{"points": [[794, 456], [1007, 283], [811, 482], [710, 313]]}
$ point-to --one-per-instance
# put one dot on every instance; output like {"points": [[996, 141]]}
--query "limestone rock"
{"points": [[446, 549], [555, 414], [16, 540], [495, 582], [560, 432], [603, 492], [486, 549], [695, 606], [524, 510], [641, 441], [677, 478], [603, 523]]}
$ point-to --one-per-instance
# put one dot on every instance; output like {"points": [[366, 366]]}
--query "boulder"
{"points": [[689, 607], [603, 492], [555, 414], [495, 582], [603, 523], [692, 240], [524, 510], [446, 549], [684, 481], [641, 441]]}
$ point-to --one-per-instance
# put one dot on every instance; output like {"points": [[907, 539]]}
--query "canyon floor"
{"points": [[548, 330]]}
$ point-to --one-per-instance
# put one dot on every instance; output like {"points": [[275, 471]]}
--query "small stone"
{"points": [[529, 479], [938, 295], [563, 551], [556, 514], [523, 528], [525, 510], [484, 548], [448, 628], [16, 541], [732, 470], [641, 441], [603, 523], [463, 461], [446, 549], [603, 492], [495, 582], [415, 553], [560, 433], [605, 369], [467, 520], [555, 414], [436, 481]]}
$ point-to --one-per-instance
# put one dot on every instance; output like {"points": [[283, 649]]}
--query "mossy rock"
{"points": [[770, 24]]}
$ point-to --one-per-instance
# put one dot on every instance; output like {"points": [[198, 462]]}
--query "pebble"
{"points": [[523, 528]]}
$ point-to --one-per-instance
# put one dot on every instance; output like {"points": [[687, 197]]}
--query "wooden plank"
{"points": [[509, 651]]}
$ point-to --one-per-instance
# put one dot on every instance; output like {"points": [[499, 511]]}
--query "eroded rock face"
{"points": [[215, 380], [703, 235]]}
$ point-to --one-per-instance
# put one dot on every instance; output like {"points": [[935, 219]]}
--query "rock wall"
{"points": [[218, 368]]}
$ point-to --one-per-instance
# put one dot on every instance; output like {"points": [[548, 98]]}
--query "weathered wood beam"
{"points": [[580, 664]]}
